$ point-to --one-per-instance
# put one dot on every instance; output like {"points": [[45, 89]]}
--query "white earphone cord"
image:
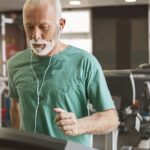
{"points": [[38, 89]]}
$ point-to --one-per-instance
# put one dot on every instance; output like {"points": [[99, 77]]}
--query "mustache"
{"points": [[39, 41]]}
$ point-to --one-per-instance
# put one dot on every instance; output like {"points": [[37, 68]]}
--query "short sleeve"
{"points": [[11, 85], [96, 86]]}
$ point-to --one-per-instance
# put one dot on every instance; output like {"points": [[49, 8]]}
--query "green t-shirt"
{"points": [[73, 78]]}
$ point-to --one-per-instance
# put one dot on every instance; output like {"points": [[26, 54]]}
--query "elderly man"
{"points": [[51, 83]]}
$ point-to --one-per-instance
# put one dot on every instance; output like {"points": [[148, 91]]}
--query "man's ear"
{"points": [[62, 23]]}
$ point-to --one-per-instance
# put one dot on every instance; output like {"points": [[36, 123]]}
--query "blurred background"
{"points": [[117, 32]]}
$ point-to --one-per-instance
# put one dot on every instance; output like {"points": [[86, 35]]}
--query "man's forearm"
{"points": [[15, 114], [99, 123], [15, 119]]}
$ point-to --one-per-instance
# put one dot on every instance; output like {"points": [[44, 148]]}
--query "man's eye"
{"points": [[44, 28], [29, 27]]}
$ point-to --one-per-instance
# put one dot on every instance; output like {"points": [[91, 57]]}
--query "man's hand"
{"points": [[98, 123], [67, 122]]}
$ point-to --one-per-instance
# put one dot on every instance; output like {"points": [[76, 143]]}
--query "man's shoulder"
{"points": [[77, 54], [81, 53], [18, 57], [85, 55]]}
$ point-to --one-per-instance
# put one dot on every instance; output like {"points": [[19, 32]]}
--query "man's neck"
{"points": [[58, 48]]}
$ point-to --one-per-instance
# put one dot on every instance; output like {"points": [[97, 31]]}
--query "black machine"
{"points": [[133, 89], [121, 84], [122, 87], [12, 139]]}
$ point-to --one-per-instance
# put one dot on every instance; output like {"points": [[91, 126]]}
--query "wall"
{"points": [[120, 36], [14, 37]]}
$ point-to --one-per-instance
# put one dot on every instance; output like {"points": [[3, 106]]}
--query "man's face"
{"points": [[40, 23]]}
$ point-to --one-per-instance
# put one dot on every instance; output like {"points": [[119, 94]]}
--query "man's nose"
{"points": [[36, 34]]}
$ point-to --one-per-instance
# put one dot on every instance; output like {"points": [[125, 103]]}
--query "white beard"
{"points": [[48, 47]]}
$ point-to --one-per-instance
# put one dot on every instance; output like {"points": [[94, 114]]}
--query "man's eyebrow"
{"points": [[28, 24], [44, 23]]}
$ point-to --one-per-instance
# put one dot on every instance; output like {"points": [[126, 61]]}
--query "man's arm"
{"points": [[15, 113], [98, 123]]}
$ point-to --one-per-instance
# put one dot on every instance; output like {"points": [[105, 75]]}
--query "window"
{"points": [[77, 31]]}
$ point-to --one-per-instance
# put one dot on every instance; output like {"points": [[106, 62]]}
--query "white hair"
{"points": [[56, 3], [58, 8]]}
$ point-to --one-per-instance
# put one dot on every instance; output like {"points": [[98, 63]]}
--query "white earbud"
{"points": [[38, 88], [60, 28]]}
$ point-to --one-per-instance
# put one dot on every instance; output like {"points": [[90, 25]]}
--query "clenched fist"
{"points": [[67, 122]]}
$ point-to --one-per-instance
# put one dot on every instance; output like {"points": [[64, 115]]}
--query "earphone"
{"points": [[60, 28], [38, 88]]}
